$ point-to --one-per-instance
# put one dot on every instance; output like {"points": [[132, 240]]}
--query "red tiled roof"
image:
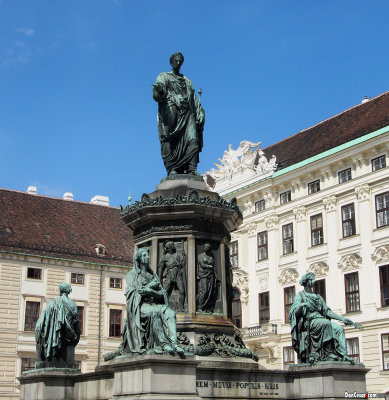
{"points": [[54, 227], [348, 125]]}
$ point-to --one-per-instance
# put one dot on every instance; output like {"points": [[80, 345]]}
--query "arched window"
{"points": [[236, 308]]}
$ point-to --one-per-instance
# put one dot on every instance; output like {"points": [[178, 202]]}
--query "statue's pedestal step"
{"points": [[166, 377]]}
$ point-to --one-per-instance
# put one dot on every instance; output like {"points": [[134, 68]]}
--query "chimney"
{"points": [[68, 196], [100, 200], [32, 190]]}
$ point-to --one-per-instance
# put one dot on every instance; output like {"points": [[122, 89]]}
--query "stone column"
{"points": [[223, 278], [300, 214]]}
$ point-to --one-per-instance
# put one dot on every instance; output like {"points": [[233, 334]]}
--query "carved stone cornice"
{"points": [[272, 221], [381, 254], [300, 213], [330, 203], [362, 192], [350, 262], [296, 185], [241, 281], [288, 276], [320, 269]]}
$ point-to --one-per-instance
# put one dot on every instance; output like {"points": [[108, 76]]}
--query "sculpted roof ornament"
{"points": [[241, 166]]}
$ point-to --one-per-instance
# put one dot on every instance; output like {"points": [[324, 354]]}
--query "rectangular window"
{"points": [[285, 197], [288, 356], [314, 187], [344, 175], [77, 365], [352, 292], [262, 245], [378, 163], [28, 363], [34, 273], [289, 293], [264, 307], [80, 311], [320, 288], [384, 284], [287, 238], [352, 346], [348, 220], [78, 279], [259, 205], [115, 323], [317, 230], [234, 254], [115, 283], [236, 309], [31, 315], [382, 209], [385, 350]]}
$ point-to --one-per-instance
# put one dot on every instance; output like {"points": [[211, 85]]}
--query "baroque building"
{"points": [[316, 201], [45, 241]]}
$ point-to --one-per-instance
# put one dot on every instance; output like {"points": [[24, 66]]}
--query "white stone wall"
{"points": [[363, 252]]}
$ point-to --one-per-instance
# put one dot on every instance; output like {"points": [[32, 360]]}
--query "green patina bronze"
{"points": [[57, 332], [314, 336], [150, 324], [180, 119]]}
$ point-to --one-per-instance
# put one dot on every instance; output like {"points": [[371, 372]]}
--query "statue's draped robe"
{"points": [[147, 317], [315, 332], [178, 108], [207, 282], [57, 327]]}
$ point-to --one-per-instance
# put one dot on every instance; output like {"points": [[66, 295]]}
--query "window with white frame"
{"points": [[262, 245], [378, 163], [352, 346], [351, 282], [317, 230], [115, 283], [289, 294], [234, 256], [382, 209], [288, 356], [115, 322], [344, 175], [259, 205], [348, 220], [314, 187], [384, 285], [28, 363], [31, 315], [34, 273], [285, 197], [77, 279], [385, 350], [287, 238]]}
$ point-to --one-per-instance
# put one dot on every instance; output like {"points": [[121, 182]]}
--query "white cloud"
{"points": [[26, 31]]}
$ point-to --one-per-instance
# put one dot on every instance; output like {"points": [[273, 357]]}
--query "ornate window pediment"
{"points": [[381, 254], [350, 262], [288, 276], [320, 269]]}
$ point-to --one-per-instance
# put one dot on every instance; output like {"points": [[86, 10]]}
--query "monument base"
{"points": [[166, 377]]}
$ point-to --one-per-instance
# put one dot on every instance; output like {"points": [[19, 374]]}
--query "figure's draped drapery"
{"points": [[57, 326], [313, 331], [178, 109], [207, 282], [147, 319]]}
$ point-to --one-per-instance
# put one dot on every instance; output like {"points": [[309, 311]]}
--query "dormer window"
{"points": [[100, 250]]}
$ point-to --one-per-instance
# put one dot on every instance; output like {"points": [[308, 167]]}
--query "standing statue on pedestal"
{"points": [[173, 264], [57, 331], [151, 323], [314, 336], [180, 119], [208, 283]]}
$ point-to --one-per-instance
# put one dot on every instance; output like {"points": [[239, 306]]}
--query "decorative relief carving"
{"points": [[249, 207], [271, 221], [362, 192], [381, 254], [288, 276], [300, 213], [320, 269], [350, 262], [263, 281], [252, 229], [268, 198], [241, 281], [330, 203]]}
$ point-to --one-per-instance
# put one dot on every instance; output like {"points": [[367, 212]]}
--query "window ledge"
{"points": [[316, 246], [380, 228], [356, 235], [288, 254], [384, 372], [352, 313]]}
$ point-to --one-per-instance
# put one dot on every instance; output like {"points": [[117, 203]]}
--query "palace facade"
{"points": [[45, 241], [316, 201]]}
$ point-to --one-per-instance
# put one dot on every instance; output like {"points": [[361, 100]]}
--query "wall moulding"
{"points": [[330, 203], [350, 262], [288, 276], [381, 254], [263, 280], [320, 269], [240, 280]]}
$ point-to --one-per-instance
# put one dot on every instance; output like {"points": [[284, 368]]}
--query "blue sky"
{"points": [[76, 110]]}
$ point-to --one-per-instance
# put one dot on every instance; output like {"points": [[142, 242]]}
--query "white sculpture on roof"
{"points": [[247, 161]]}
